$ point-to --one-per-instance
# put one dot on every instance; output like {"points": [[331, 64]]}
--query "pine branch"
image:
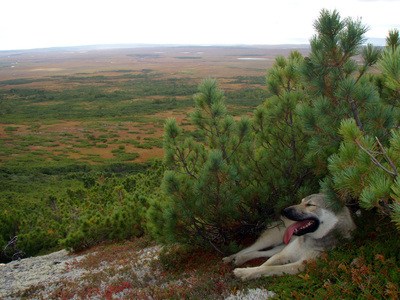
{"points": [[387, 157], [182, 159], [235, 147], [355, 113], [375, 161]]}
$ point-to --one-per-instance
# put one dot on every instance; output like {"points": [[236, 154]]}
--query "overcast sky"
{"points": [[28, 24]]}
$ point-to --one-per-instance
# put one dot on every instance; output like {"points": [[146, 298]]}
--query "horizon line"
{"points": [[142, 45], [376, 41]]}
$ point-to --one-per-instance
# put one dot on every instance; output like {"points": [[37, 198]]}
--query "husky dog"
{"points": [[306, 230]]}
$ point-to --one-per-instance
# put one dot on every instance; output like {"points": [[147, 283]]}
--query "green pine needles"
{"points": [[365, 167], [338, 84], [329, 124], [243, 173], [203, 182]]}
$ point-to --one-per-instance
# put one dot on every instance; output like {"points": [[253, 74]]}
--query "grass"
{"points": [[366, 268]]}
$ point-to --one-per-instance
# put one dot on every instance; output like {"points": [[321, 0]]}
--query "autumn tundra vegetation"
{"points": [[325, 120]]}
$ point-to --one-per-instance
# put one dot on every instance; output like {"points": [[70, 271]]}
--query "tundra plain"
{"points": [[109, 104]]}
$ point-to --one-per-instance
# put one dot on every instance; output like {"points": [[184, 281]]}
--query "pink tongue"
{"points": [[291, 230]]}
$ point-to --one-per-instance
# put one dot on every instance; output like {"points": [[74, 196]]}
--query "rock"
{"points": [[49, 270], [252, 294], [21, 274]]}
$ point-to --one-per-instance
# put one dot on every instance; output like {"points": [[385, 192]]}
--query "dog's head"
{"points": [[312, 216]]}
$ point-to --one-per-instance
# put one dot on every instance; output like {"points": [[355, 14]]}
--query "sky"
{"points": [[28, 24]]}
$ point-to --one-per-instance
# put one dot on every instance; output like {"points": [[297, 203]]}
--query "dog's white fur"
{"points": [[290, 259]]}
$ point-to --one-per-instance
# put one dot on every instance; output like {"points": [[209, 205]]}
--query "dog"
{"points": [[306, 230]]}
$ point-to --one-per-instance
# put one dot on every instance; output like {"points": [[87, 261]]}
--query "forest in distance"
{"points": [[200, 148]]}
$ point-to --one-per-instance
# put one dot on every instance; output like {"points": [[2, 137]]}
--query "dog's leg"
{"points": [[241, 259], [290, 261], [270, 238], [265, 270]]}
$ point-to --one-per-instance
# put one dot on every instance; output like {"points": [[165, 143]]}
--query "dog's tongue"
{"points": [[291, 230]]}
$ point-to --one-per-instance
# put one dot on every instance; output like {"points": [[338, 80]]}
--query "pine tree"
{"points": [[367, 171], [389, 65], [203, 184], [277, 163], [337, 84], [244, 173], [393, 39], [367, 165]]}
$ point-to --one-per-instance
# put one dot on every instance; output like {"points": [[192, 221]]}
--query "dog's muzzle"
{"points": [[304, 224]]}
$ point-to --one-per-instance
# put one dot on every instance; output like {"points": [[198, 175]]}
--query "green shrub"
{"points": [[112, 209], [244, 172], [144, 146], [10, 128], [101, 146], [37, 240]]}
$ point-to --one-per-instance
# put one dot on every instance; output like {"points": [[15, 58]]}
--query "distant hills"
{"points": [[124, 46], [374, 41]]}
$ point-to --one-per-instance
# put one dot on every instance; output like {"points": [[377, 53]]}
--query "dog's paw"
{"points": [[243, 273], [248, 273], [239, 260], [228, 259]]}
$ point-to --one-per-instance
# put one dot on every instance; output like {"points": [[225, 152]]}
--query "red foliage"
{"points": [[108, 293]]}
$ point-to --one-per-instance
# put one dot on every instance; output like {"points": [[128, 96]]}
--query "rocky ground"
{"points": [[21, 274], [49, 271]]}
